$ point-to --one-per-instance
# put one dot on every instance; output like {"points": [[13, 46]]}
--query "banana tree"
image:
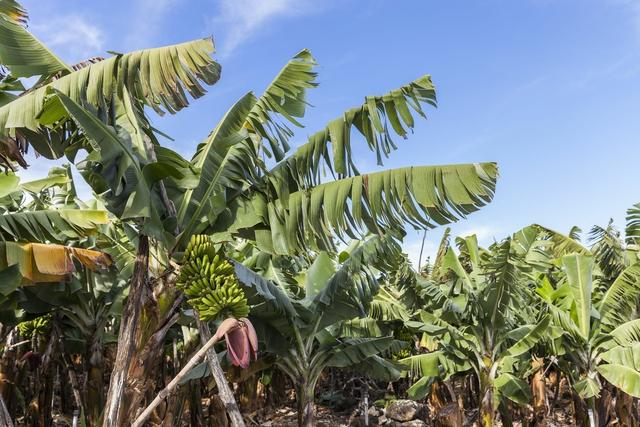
{"points": [[48, 210], [599, 326], [43, 228], [306, 333], [478, 317], [86, 315]]}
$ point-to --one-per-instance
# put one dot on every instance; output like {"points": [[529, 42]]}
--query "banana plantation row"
{"points": [[253, 273]]}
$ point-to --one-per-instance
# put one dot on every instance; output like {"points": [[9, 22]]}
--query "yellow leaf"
{"points": [[49, 263], [93, 260], [52, 259]]}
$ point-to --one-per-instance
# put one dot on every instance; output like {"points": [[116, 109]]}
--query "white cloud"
{"points": [[413, 244], [151, 15], [73, 37], [482, 232], [243, 18], [486, 234]]}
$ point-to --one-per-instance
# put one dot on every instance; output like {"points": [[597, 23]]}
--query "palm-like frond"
{"points": [[359, 328], [424, 365], [421, 196], [51, 225], [387, 305], [534, 334], [212, 155], [229, 157], [562, 244], [627, 333], [55, 191], [632, 230], [623, 369], [436, 298], [627, 355], [374, 120], [112, 165], [530, 244], [563, 319], [55, 178], [574, 233], [608, 250], [620, 301], [503, 279], [285, 97], [261, 290], [120, 241], [159, 77], [513, 388], [355, 282], [443, 247], [469, 251], [356, 350]]}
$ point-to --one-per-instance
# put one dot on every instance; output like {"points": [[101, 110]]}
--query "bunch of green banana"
{"points": [[210, 283], [407, 337], [228, 301], [38, 326]]}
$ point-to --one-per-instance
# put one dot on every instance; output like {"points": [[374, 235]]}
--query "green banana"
{"points": [[38, 326], [210, 283]]}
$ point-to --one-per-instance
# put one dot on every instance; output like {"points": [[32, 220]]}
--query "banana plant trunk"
{"points": [[249, 394], [592, 412], [7, 370], [580, 410], [116, 406], [625, 411], [306, 411], [487, 407], [67, 363], [150, 310], [604, 405], [45, 383], [95, 381], [538, 393]]}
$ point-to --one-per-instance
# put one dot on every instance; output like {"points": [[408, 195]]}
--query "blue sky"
{"points": [[550, 89]]}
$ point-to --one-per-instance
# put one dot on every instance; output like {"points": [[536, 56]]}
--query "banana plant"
{"points": [[85, 307], [478, 321], [43, 279], [306, 332], [88, 316], [46, 233], [600, 329]]}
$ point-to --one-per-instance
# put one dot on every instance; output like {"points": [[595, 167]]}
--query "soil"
{"points": [[288, 417]]}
